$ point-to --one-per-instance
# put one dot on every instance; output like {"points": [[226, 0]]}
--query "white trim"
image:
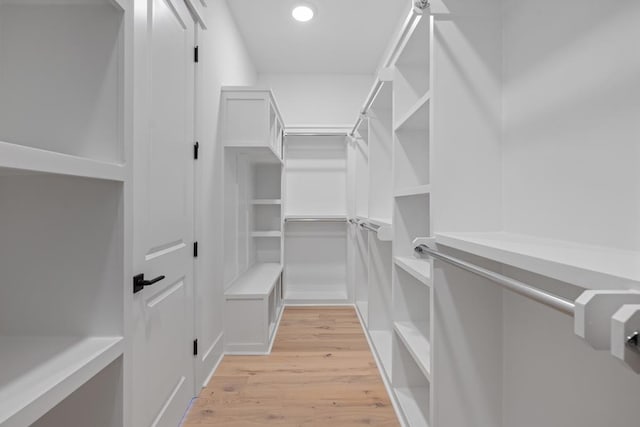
{"points": [[217, 342], [383, 375]]}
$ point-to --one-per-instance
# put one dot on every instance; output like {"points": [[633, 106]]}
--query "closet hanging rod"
{"points": [[337, 134], [407, 28], [563, 305], [372, 97], [368, 226], [312, 219]]}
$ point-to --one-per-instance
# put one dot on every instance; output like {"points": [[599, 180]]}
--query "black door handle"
{"points": [[139, 283]]}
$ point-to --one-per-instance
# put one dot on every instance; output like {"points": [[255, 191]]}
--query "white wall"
{"points": [[319, 99], [572, 127], [571, 149], [223, 60]]}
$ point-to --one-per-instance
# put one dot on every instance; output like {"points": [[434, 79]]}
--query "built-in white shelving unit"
{"points": [[252, 135], [65, 207], [392, 195]]}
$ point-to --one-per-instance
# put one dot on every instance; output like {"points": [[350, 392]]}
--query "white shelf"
{"points": [[417, 345], [411, 400], [37, 373], [382, 342], [590, 267], [420, 269], [417, 118], [274, 233], [266, 202], [413, 191], [14, 156], [257, 282], [363, 309]]}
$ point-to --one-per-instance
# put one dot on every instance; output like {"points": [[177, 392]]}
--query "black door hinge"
{"points": [[195, 249], [195, 347], [196, 149], [195, 54]]}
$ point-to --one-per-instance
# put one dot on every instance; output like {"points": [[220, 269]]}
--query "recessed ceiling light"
{"points": [[302, 13]]}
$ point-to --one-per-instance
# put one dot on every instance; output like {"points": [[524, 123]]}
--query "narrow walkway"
{"points": [[320, 373]]}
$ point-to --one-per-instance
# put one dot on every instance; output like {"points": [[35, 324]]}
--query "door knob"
{"points": [[139, 283]]}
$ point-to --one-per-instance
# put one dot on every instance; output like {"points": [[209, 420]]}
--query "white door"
{"points": [[163, 382]]}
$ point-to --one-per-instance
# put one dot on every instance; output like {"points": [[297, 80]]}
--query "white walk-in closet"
{"points": [[416, 213]]}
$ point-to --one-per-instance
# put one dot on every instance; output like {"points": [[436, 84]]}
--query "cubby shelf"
{"points": [[420, 269], [410, 400], [413, 191], [266, 202], [274, 233], [417, 344], [39, 372], [14, 156], [417, 118], [591, 267]]}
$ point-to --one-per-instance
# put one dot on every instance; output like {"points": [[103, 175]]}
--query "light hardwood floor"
{"points": [[320, 373]]}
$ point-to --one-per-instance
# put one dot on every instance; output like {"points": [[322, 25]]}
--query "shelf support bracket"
{"points": [[594, 312]]}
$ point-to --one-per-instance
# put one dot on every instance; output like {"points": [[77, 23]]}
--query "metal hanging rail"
{"points": [[524, 289], [314, 219], [367, 226], [407, 28]]}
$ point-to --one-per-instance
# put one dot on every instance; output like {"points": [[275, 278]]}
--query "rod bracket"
{"points": [[422, 4]]}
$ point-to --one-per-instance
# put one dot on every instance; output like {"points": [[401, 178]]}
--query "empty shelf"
{"points": [[411, 401], [274, 233], [417, 345], [413, 191], [591, 267], [382, 344], [39, 372], [14, 156], [266, 202], [257, 282], [418, 268]]}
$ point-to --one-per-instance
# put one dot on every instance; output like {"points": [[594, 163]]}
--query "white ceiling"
{"points": [[346, 36]]}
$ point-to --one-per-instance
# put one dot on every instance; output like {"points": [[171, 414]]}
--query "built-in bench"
{"points": [[253, 305]]}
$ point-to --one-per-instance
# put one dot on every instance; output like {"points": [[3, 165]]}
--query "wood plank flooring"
{"points": [[320, 373]]}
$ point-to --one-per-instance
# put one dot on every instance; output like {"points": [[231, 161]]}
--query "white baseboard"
{"points": [[383, 375]]}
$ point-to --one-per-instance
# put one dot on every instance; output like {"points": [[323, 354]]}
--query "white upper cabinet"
{"points": [[251, 119]]}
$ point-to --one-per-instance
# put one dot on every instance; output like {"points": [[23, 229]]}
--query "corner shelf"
{"points": [[420, 269], [40, 372], [13, 156], [417, 345], [586, 266], [413, 191]]}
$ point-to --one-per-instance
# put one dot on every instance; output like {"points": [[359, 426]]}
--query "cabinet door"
{"points": [[163, 323]]}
